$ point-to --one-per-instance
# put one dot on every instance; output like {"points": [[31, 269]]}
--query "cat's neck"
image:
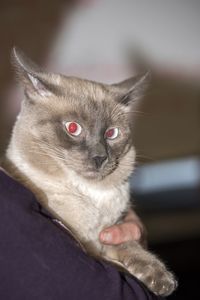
{"points": [[61, 182]]}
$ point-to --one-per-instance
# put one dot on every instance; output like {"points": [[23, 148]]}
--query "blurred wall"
{"points": [[168, 123], [101, 32]]}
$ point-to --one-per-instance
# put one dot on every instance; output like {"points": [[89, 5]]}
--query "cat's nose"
{"points": [[98, 160]]}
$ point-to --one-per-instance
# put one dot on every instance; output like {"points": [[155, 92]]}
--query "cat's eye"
{"points": [[73, 128], [112, 133]]}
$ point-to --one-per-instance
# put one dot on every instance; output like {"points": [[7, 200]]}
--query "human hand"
{"points": [[133, 257], [131, 229]]}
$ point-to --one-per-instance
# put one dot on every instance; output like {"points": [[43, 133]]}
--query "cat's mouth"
{"points": [[97, 174]]}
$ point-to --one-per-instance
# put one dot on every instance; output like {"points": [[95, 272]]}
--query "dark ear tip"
{"points": [[16, 54], [15, 50], [21, 62], [144, 80], [147, 77], [17, 58]]}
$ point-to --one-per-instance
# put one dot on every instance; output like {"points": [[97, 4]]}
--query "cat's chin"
{"points": [[93, 175]]}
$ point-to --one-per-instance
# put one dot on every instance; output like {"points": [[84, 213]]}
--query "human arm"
{"points": [[40, 260]]}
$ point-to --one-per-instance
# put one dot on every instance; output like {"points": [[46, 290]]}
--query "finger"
{"points": [[120, 233]]}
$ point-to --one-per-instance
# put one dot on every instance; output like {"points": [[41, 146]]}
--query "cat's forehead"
{"points": [[82, 88], [85, 98], [85, 101]]}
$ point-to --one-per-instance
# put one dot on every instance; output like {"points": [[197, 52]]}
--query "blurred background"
{"points": [[109, 40]]}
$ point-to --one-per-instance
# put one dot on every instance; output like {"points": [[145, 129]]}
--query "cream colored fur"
{"points": [[62, 170], [85, 207]]}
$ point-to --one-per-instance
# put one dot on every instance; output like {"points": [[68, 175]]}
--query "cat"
{"points": [[72, 146]]}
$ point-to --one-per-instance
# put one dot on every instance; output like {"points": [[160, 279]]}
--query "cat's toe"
{"points": [[162, 284]]}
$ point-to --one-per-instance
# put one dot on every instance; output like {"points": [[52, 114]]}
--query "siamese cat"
{"points": [[72, 146]]}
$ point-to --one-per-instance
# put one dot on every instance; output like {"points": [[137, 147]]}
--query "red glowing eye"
{"points": [[73, 128], [112, 133], [109, 133]]}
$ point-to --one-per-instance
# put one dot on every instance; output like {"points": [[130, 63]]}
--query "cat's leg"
{"points": [[143, 265]]}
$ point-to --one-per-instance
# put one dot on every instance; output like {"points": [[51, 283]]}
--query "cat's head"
{"points": [[73, 124]]}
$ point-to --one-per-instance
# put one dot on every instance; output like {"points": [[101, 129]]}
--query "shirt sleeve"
{"points": [[39, 260], [104, 281]]}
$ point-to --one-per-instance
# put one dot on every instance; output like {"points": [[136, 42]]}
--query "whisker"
{"points": [[141, 156]]}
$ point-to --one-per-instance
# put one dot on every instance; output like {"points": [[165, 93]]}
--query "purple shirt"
{"points": [[40, 260]]}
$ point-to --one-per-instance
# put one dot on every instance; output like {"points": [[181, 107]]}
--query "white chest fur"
{"points": [[85, 207]]}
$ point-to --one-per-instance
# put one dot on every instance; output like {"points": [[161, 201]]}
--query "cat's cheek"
{"points": [[33, 132], [126, 149], [115, 150]]}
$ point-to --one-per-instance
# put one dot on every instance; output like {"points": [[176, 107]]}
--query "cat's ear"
{"points": [[132, 89], [36, 82]]}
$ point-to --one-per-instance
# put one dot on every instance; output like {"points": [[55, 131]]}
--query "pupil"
{"points": [[110, 133], [73, 127]]}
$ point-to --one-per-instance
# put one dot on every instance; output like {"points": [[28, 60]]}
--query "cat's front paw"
{"points": [[153, 274], [143, 265]]}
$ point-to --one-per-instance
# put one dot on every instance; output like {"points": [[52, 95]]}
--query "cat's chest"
{"points": [[99, 200], [87, 208], [108, 204]]}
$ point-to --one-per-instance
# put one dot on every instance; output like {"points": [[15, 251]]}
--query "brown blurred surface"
{"points": [[31, 25], [168, 122]]}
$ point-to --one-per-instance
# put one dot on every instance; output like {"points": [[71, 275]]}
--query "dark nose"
{"points": [[98, 160]]}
